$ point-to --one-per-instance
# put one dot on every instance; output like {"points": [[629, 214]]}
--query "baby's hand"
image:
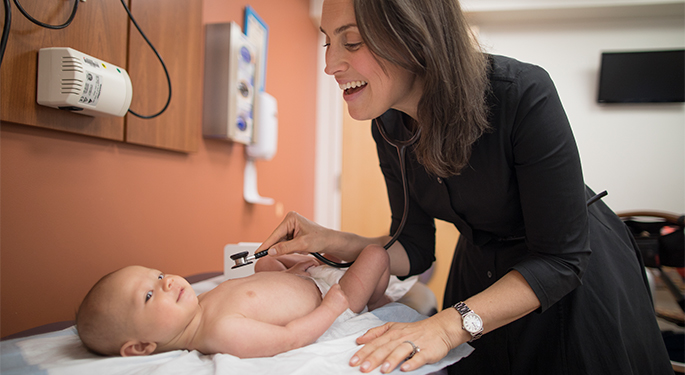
{"points": [[304, 265], [336, 299]]}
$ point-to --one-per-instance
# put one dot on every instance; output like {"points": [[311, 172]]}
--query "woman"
{"points": [[552, 286]]}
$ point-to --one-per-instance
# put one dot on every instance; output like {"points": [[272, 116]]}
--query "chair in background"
{"points": [[661, 239]]}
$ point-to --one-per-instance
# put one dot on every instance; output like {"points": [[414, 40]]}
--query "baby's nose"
{"points": [[168, 282]]}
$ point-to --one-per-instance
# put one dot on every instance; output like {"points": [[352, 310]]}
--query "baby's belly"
{"points": [[271, 297]]}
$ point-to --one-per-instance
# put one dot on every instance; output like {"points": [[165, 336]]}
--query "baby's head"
{"points": [[136, 311]]}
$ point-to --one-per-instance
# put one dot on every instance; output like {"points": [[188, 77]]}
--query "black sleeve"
{"points": [[551, 188]]}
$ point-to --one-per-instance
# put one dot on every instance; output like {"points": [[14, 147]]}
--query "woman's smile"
{"points": [[352, 88]]}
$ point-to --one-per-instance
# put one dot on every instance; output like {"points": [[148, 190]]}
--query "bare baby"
{"points": [[139, 311]]}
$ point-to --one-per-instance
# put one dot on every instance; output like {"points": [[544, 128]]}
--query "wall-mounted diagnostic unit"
{"points": [[73, 81], [229, 93]]}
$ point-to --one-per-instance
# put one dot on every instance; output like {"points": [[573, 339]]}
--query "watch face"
{"points": [[472, 323]]}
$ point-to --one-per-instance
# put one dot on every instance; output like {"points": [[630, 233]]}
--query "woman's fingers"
{"points": [[407, 352], [279, 234], [373, 333], [409, 345], [284, 239]]}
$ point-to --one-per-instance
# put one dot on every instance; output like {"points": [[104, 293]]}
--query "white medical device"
{"points": [[73, 81], [229, 93], [263, 148]]}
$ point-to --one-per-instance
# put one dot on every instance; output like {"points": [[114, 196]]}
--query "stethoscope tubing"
{"points": [[401, 147]]}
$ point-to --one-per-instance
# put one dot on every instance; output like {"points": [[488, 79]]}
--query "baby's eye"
{"points": [[148, 295], [161, 276]]}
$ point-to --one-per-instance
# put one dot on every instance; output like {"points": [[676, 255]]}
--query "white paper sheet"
{"points": [[61, 352]]}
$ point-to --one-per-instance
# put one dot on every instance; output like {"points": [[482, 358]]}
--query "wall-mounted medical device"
{"points": [[263, 148], [73, 81], [229, 92]]}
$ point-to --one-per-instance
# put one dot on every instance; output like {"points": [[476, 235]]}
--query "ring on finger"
{"points": [[414, 349]]}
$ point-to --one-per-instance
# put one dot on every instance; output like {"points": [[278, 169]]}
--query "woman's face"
{"points": [[368, 90]]}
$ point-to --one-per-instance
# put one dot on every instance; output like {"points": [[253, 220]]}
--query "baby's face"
{"points": [[156, 307]]}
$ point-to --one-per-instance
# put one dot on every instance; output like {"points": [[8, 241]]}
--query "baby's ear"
{"points": [[135, 347]]}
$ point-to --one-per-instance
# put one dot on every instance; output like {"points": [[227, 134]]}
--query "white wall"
{"points": [[636, 152]]}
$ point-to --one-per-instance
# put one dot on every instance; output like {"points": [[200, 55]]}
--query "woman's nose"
{"points": [[335, 63]]}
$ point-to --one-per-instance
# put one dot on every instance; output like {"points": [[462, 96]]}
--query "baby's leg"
{"points": [[365, 281]]}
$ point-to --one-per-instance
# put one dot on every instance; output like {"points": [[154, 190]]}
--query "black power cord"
{"points": [[168, 80], [45, 25], [8, 22], [6, 31]]}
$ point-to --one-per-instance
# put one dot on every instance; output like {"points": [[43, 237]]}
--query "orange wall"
{"points": [[73, 208]]}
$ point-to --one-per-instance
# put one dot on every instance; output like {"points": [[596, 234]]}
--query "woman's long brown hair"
{"points": [[432, 39]]}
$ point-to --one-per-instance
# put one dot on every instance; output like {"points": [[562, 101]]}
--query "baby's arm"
{"points": [[248, 338]]}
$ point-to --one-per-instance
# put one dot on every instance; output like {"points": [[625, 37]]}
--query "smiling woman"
{"points": [[497, 158], [370, 87]]}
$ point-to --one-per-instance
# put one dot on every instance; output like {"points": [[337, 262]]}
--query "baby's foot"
{"points": [[384, 300]]}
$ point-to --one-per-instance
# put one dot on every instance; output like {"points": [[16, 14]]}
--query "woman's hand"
{"points": [[387, 345], [296, 234]]}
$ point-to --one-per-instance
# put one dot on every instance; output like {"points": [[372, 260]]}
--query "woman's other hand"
{"points": [[386, 346]]}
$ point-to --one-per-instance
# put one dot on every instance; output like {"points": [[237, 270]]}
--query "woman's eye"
{"points": [[148, 295], [353, 46]]}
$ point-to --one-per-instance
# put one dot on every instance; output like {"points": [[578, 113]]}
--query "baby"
{"points": [[141, 311]]}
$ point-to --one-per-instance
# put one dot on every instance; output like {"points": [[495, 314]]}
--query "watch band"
{"points": [[465, 311], [462, 308]]}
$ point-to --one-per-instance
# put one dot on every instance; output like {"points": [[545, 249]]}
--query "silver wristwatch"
{"points": [[471, 322]]}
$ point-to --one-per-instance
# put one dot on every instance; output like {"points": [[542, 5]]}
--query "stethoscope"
{"points": [[242, 258]]}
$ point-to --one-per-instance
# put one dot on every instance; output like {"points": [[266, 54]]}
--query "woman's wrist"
{"points": [[343, 245], [450, 321]]}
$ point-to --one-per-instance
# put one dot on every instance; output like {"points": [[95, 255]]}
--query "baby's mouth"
{"points": [[352, 87]]}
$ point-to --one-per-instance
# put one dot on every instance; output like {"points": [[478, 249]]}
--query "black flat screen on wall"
{"points": [[642, 77]]}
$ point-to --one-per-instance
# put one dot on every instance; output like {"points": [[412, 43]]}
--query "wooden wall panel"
{"points": [[99, 29], [175, 29]]}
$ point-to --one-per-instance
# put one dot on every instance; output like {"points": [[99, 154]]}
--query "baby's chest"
{"points": [[274, 303]]}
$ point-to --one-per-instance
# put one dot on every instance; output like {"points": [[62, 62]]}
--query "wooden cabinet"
{"points": [[175, 29], [102, 29]]}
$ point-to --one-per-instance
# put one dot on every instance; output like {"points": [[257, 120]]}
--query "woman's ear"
{"points": [[135, 347]]}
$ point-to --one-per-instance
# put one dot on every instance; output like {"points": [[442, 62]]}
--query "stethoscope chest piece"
{"points": [[240, 259]]}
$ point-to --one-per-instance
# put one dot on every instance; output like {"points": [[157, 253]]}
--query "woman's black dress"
{"points": [[521, 205]]}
